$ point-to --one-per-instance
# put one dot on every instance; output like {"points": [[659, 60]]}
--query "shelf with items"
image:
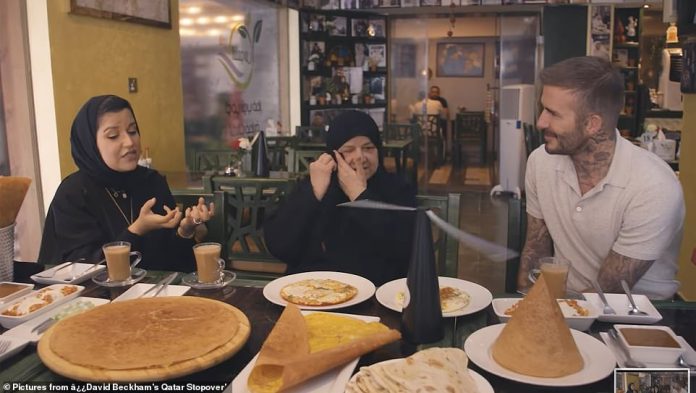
{"points": [[626, 56], [343, 64]]}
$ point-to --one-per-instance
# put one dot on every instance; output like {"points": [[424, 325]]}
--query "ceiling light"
{"points": [[203, 20], [194, 10], [186, 22], [220, 19]]}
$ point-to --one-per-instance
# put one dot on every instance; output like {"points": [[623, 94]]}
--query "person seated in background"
{"points": [[434, 94], [111, 198], [612, 209], [310, 232], [426, 106]]}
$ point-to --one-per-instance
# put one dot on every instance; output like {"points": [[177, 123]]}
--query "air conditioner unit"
{"points": [[670, 78], [516, 108]]}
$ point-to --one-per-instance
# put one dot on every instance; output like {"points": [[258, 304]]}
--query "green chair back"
{"points": [[446, 247], [469, 127], [212, 160], [310, 134], [247, 202], [516, 234], [302, 159], [394, 131], [216, 225]]}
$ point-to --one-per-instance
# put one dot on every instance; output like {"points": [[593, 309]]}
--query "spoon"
{"points": [[634, 309], [629, 362]]}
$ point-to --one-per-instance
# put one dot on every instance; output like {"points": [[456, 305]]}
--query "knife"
{"points": [[161, 284]]}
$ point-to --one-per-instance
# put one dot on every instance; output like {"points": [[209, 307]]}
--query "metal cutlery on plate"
{"points": [[634, 309], [161, 285], [4, 346], [55, 271], [607, 308]]}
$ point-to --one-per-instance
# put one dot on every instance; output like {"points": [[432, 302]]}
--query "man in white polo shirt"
{"points": [[614, 210]]}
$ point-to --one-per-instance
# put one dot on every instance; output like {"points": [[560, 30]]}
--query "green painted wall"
{"points": [[92, 56]]}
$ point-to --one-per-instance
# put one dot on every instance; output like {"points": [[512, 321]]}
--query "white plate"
{"points": [[12, 321], [138, 289], [333, 381], [365, 288], [480, 297], [25, 288], [599, 360], [621, 356], [16, 345], [619, 302], [576, 322], [481, 383], [24, 330], [74, 274]]}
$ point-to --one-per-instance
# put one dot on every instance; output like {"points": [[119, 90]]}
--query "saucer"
{"points": [[103, 278], [191, 280]]}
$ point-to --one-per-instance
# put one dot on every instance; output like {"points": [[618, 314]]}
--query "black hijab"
{"points": [[349, 124], [83, 143]]}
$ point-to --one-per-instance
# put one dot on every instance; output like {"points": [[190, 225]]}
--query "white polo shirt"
{"points": [[637, 210]]}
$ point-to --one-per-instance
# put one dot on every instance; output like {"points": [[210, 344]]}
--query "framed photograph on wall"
{"points": [[358, 27], [378, 54], [460, 59], [152, 12], [389, 3], [337, 25], [410, 3], [431, 3], [376, 28]]}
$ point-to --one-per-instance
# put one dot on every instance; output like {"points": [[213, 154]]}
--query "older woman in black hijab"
{"points": [[309, 232], [111, 198]]}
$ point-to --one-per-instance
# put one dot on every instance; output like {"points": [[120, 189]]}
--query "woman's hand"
{"points": [[320, 174], [353, 182], [196, 216], [149, 221]]}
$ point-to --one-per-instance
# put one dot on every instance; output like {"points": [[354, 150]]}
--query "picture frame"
{"points": [[378, 54], [358, 27], [336, 25], [431, 3], [410, 3], [378, 26], [460, 59], [154, 13]]}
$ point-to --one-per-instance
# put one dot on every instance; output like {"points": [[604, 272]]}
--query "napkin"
{"points": [[285, 359], [12, 192]]}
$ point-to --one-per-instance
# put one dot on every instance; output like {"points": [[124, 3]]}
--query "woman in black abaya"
{"points": [[111, 198]]}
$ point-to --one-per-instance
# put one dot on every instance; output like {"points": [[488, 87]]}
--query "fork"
{"points": [[4, 346], [607, 307]]}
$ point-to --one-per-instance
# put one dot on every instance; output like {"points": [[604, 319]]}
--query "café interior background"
{"points": [[54, 60]]}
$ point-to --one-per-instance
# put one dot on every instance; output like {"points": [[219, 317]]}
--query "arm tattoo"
{"points": [[617, 267], [538, 244]]}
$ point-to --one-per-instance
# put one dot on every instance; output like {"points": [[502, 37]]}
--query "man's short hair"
{"points": [[597, 84]]}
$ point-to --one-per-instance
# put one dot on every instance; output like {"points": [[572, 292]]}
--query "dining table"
{"points": [[247, 296]]}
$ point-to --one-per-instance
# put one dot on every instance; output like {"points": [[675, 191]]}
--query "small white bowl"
{"points": [[644, 352], [573, 320], [18, 288]]}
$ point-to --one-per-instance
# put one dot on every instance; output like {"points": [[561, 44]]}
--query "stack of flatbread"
{"points": [[430, 370], [536, 341], [12, 192], [298, 349]]}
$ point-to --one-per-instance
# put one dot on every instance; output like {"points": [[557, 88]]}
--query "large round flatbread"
{"points": [[430, 370], [318, 292], [145, 339]]}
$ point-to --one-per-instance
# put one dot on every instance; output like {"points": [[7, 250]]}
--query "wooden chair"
{"points": [[310, 134], [516, 234], [401, 132], [216, 225], [469, 127], [430, 133], [212, 160], [247, 202], [302, 159], [279, 152], [446, 248]]}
